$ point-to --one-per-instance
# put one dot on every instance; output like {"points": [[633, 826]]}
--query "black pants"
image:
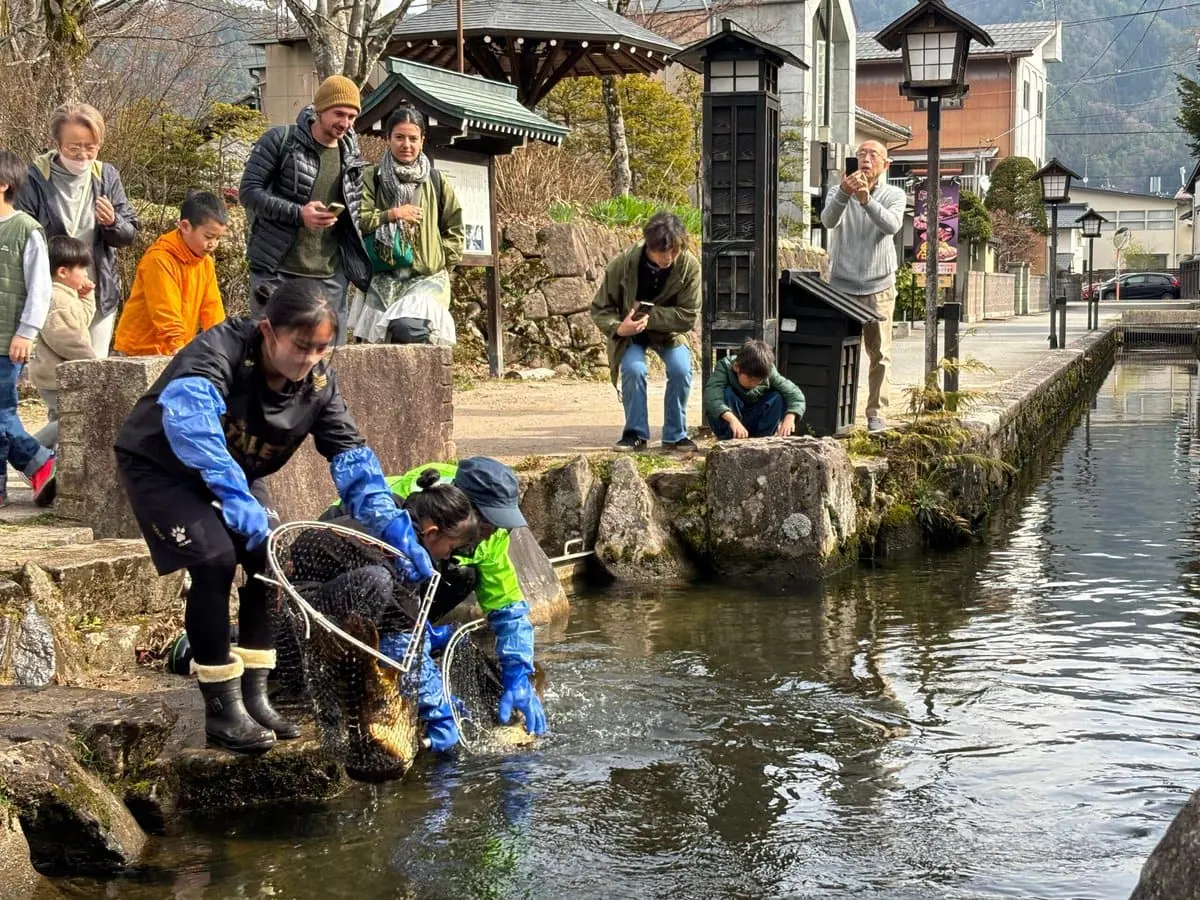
{"points": [[184, 531]]}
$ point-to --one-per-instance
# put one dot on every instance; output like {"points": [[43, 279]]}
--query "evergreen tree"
{"points": [[1189, 111], [1016, 191]]}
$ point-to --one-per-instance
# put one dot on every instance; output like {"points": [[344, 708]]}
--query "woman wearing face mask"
{"points": [[230, 409], [69, 191], [412, 224]]}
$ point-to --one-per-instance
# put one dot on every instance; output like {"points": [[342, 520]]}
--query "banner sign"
{"points": [[946, 223], [470, 182]]}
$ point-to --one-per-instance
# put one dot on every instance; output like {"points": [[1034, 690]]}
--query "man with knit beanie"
{"points": [[302, 189]]}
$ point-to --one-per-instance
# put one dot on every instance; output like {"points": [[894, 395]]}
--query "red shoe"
{"points": [[43, 484]]}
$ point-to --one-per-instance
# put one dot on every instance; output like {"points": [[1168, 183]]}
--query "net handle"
{"points": [[311, 614], [457, 638]]}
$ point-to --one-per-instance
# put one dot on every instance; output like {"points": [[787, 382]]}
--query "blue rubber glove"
{"points": [[367, 498], [432, 706], [191, 416], [438, 636], [514, 649], [247, 516], [415, 564]]}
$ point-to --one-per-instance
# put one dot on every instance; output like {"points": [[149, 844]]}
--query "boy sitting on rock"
{"points": [[747, 397]]}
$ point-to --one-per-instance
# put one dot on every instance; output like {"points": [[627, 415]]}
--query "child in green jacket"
{"points": [[747, 397]]}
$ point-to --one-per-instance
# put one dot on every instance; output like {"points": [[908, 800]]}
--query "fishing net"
{"points": [[343, 591]]}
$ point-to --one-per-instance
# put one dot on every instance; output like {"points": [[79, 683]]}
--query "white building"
{"points": [[1158, 226]]}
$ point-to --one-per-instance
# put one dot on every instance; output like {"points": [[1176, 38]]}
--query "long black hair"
{"points": [[443, 504], [300, 303]]}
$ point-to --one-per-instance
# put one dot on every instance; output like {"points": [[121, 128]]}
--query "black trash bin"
{"points": [[820, 330]]}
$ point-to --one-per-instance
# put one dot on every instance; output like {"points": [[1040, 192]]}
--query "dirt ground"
{"points": [[511, 419]]}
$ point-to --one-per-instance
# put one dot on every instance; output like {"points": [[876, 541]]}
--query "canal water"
{"points": [[1019, 719]]}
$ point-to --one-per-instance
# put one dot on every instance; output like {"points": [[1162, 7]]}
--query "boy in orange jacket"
{"points": [[175, 293]]}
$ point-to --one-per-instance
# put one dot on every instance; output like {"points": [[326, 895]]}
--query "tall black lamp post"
{"points": [[1056, 188], [933, 41], [1090, 223]]}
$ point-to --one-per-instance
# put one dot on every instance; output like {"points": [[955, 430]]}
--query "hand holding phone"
{"points": [[335, 208], [642, 310]]}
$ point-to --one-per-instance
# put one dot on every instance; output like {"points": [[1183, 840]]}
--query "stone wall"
{"points": [[400, 396], [990, 295], [549, 275]]}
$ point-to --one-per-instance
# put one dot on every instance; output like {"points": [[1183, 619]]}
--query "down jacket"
{"points": [[278, 181], [34, 197]]}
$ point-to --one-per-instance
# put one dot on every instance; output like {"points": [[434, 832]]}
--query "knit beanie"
{"points": [[336, 90]]}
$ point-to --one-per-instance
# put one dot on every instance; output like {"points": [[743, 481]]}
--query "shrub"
{"points": [[635, 211]]}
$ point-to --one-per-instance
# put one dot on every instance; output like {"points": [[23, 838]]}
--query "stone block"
{"points": [[400, 396], [110, 649], [683, 495], [634, 541], [584, 332], [107, 579], [94, 397], [18, 878], [557, 333], [563, 249], [73, 824], [780, 507], [533, 305], [563, 504], [565, 296], [523, 237]]}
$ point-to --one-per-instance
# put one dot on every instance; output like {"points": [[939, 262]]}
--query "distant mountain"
{"points": [[1112, 103]]}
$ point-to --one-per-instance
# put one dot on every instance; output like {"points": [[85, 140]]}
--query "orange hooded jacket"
{"points": [[175, 295]]}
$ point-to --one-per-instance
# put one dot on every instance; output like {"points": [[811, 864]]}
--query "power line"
{"points": [[1138, 45], [1078, 80], [1113, 18]]}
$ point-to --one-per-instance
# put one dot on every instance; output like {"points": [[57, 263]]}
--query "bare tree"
{"points": [[347, 37], [618, 145]]}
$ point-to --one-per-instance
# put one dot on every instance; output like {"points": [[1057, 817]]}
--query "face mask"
{"points": [[74, 166]]}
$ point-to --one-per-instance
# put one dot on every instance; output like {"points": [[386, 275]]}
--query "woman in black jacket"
{"points": [[69, 191], [232, 408]]}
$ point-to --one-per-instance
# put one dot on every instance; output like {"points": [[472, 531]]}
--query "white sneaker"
{"points": [[875, 423]]}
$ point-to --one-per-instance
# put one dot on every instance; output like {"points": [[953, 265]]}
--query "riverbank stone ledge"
{"points": [[1172, 871], [401, 397], [88, 777]]}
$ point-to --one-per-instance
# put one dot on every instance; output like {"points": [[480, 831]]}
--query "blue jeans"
{"points": [[17, 446], [760, 419], [678, 361]]}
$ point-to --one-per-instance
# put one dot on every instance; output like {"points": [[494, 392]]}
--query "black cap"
{"points": [[492, 489]]}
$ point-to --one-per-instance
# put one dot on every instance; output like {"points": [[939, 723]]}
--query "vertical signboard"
{"points": [[945, 221], [471, 187]]}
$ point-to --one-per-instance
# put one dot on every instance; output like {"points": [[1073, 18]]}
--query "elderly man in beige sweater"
{"points": [[863, 214]]}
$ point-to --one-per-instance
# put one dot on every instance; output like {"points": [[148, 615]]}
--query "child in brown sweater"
{"points": [[65, 336]]}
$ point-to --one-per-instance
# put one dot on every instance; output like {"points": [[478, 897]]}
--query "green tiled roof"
{"points": [[481, 104]]}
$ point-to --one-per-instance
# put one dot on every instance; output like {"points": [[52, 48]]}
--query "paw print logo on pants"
{"points": [[179, 534]]}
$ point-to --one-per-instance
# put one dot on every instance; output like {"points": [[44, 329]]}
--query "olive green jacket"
{"points": [[442, 234], [676, 307]]}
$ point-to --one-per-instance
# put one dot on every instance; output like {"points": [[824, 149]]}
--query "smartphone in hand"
{"points": [[642, 310], [851, 165], [336, 208]]}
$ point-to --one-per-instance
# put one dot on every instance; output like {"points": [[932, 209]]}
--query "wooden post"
{"points": [[495, 314], [932, 204], [459, 20]]}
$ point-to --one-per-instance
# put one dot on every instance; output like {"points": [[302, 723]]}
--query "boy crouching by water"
{"points": [[747, 397], [66, 335]]}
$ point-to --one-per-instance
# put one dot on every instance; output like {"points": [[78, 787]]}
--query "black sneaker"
{"points": [[630, 443], [687, 445]]}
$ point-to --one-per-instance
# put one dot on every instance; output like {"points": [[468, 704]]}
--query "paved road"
{"points": [[511, 420]]}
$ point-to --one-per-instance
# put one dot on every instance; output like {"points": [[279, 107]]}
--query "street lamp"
{"points": [[933, 41], [1090, 223], [1055, 179]]}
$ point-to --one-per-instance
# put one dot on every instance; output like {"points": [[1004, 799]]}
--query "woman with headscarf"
{"points": [[412, 224], [69, 191]]}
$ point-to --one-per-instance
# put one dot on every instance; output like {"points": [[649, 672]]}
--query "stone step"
{"points": [[106, 580], [26, 537]]}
